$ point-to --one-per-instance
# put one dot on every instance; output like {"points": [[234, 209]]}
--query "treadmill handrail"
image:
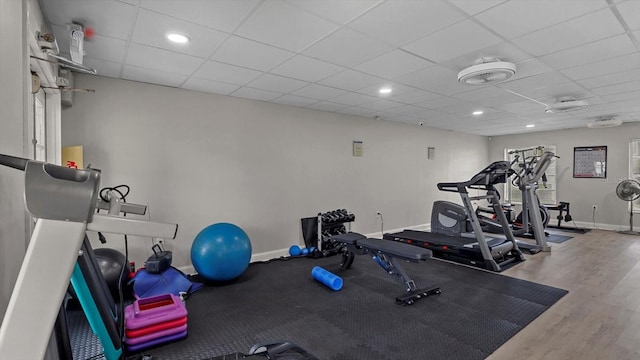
{"points": [[15, 162], [496, 173]]}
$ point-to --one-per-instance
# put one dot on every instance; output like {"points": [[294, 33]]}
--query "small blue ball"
{"points": [[294, 250], [305, 251]]}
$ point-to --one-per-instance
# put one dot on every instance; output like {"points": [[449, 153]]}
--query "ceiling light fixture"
{"points": [[477, 112], [178, 38], [604, 123], [531, 125], [487, 71], [565, 104], [385, 90]]}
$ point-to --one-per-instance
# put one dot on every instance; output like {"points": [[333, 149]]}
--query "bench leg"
{"points": [[391, 265]]}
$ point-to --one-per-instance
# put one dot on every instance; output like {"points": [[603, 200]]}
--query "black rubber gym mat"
{"points": [[475, 314]]}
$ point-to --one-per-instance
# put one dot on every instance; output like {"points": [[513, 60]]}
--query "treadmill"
{"points": [[450, 242]]}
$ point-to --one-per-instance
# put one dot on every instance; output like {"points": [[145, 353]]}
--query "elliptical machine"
{"points": [[534, 217]]}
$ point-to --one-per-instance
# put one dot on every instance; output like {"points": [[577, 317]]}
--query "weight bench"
{"points": [[387, 253]]}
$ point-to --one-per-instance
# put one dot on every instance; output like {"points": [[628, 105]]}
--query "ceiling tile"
{"points": [[98, 47], [152, 76], [339, 11], [611, 79], [209, 86], [618, 88], [406, 110], [534, 82], [298, 68], [523, 108], [277, 83], [351, 80], [630, 12], [400, 22], [483, 93], [213, 70], [163, 60], [616, 46], [152, 28], [381, 104], [456, 40], [632, 95], [104, 68], [338, 48], [473, 7], [430, 78], [438, 102], [529, 67], [293, 100], [278, 23], [515, 18], [223, 15], [413, 97], [396, 89], [319, 92], [256, 94], [107, 18], [358, 111], [571, 33], [326, 106], [393, 64], [604, 67], [353, 99], [251, 54]]}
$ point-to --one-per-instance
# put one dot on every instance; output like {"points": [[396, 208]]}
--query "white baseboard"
{"points": [[264, 256], [274, 254], [421, 227], [590, 225]]}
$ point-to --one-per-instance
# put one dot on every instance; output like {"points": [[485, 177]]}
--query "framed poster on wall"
{"points": [[590, 162]]}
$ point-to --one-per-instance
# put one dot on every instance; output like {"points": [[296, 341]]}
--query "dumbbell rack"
{"points": [[333, 223]]}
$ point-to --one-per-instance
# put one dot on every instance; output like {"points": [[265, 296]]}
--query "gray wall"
{"points": [[12, 121], [198, 159], [612, 213]]}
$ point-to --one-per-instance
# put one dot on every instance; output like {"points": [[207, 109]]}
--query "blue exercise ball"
{"points": [[221, 252]]}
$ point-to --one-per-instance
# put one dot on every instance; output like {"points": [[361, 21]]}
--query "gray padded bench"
{"points": [[386, 253]]}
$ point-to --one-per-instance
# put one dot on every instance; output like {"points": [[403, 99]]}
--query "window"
{"points": [[39, 120], [546, 191], [634, 166]]}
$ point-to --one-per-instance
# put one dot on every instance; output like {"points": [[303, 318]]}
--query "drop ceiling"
{"points": [[334, 55]]}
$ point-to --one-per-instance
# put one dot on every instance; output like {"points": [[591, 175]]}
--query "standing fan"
{"points": [[629, 190]]}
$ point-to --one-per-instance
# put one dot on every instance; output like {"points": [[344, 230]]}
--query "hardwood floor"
{"points": [[600, 317]]}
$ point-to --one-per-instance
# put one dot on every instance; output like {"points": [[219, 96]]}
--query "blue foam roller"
{"points": [[331, 280]]}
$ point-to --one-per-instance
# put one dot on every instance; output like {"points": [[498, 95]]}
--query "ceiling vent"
{"points": [[604, 123], [486, 71], [566, 104]]}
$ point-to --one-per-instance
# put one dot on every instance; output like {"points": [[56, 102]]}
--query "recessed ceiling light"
{"points": [[178, 38], [385, 90], [478, 112], [531, 125]]}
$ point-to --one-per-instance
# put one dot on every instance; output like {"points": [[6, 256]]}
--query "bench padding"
{"points": [[395, 248]]}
